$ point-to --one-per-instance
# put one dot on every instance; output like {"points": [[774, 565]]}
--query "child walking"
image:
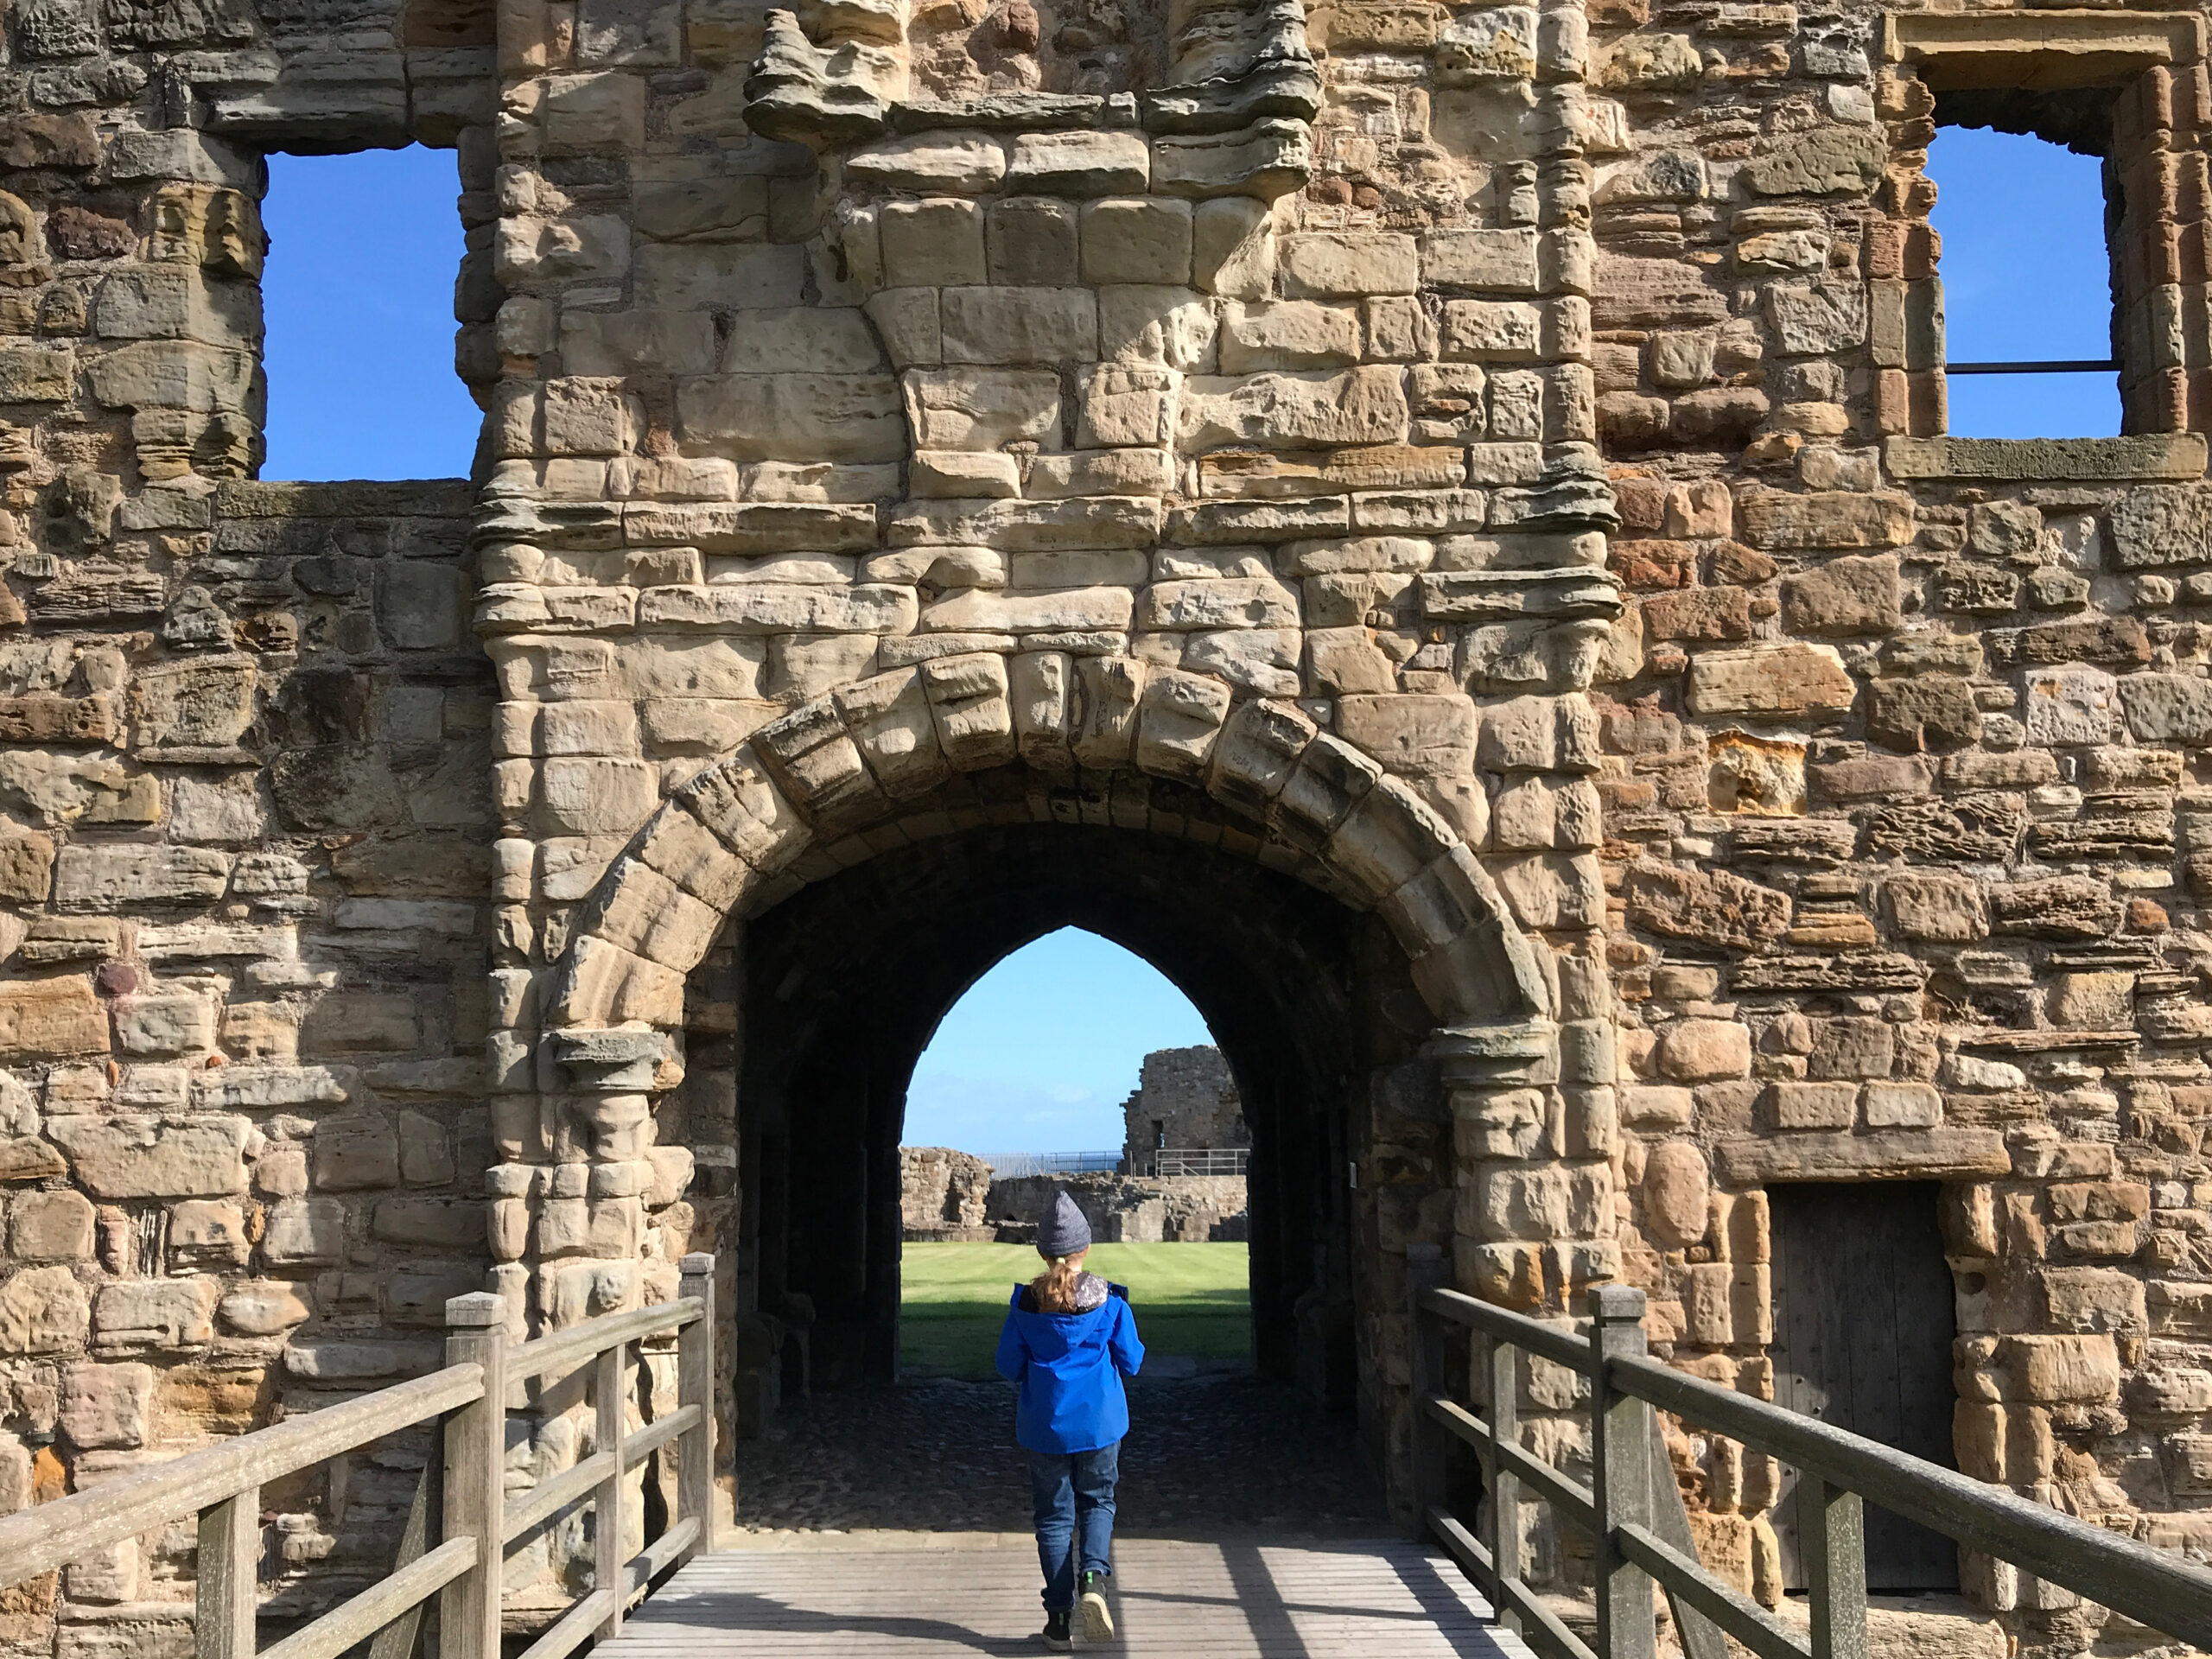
{"points": [[1069, 1340]]}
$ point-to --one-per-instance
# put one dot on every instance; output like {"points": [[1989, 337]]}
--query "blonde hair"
{"points": [[1054, 1288]]}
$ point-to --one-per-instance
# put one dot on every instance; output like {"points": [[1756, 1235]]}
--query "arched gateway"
{"points": [[1433, 523]]}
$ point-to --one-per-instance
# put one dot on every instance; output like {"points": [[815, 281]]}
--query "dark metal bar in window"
{"points": [[2066, 366]]}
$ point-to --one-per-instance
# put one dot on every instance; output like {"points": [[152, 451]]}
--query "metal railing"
{"points": [[466, 1472], [1009, 1166], [1633, 1508], [1199, 1161]]}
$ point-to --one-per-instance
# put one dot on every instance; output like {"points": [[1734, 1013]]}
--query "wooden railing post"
{"points": [[694, 1386], [476, 1456], [1502, 1515], [607, 1577], [1426, 1378], [1620, 1438], [228, 1577], [1832, 1539]]}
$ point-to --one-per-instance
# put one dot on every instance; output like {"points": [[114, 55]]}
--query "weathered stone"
{"points": [[1934, 711], [1844, 596], [1786, 679], [143, 1158], [1674, 1195], [44, 1310], [1712, 907]]}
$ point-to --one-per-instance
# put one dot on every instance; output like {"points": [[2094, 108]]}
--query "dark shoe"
{"points": [[1098, 1617], [1055, 1632]]}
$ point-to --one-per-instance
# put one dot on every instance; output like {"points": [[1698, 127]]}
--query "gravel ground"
{"points": [[1204, 1454]]}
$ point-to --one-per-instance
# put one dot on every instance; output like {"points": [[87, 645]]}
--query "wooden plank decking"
{"points": [[913, 1596]]}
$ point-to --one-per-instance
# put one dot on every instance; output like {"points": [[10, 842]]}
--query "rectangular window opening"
{"points": [[2029, 212], [360, 297]]}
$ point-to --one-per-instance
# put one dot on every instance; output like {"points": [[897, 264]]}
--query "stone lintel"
{"points": [[2148, 455], [1884, 1155]]}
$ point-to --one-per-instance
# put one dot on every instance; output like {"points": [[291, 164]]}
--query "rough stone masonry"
{"points": [[1483, 466]]}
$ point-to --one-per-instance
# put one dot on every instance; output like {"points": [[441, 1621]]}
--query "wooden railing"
{"points": [[1633, 1508], [222, 1485]]}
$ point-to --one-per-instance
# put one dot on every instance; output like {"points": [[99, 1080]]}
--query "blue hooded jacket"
{"points": [[1070, 1367]]}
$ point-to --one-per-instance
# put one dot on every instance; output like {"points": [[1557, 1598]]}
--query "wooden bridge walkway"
{"points": [[924, 1596]]}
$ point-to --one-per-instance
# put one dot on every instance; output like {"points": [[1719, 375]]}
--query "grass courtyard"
{"points": [[1189, 1299]]}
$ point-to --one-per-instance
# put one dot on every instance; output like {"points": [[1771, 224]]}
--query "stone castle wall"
{"points": [[1190, 1095], [1486, 462], [942, 1194]]}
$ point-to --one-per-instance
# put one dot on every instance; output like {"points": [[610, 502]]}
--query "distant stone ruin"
{"points": [[941, 1195], [1185, 1100]]}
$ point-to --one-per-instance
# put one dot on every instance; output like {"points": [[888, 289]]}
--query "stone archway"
{"points": [[965, 743]]}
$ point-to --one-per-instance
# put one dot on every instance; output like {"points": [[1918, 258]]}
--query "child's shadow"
{"points": [[735, 1609]]}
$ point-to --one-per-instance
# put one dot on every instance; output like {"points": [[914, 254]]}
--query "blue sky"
{"points": [[2008, 298], [1043, 1049], [358, 302]]}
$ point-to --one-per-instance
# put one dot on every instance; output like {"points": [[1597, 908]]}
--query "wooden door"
{"points": [[1863, 1324]]}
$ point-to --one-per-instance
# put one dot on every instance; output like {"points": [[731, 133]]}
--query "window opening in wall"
{"points": [[1040, 1070], [2025, 200], [358, 309]]}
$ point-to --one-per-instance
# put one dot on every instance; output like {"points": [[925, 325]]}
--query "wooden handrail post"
{"points": [[476, 1456], [1503, 1515], [1426, 1377], [1620, 1438], [228, 1575], [1831, 1537], [610, 1371], [694, 1386]]}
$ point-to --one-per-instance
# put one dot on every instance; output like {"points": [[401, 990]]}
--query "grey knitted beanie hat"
{"points": [[1063, 1231]]}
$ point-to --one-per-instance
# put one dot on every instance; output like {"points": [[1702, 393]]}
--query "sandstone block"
{"points": [[1146, 240], [50, 1018], [1079, 164], [1491, 330], [355, 1154], [130, 1157], [1780, 679], [1712, 907], [1935, 905], [966, 163], [44, 1310], [105, 1406], [1675, 1195], [1932, 711], [1031, 241], [1700, 1050], [1289, 411], [1348, 264], [1019, 325], [1412, 736], [1903, 1105], [1269, 159], [1848, 596], [1287, 334], [1825, 519], [1813, 1105], [983, 408], [104, 879], [154, 1315], [55, 1226], [1233, 253]]}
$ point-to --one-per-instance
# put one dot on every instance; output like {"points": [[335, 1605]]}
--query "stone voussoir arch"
{"points": [[733, 839]]}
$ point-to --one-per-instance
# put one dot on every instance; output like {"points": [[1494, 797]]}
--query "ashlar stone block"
{"points": [[932, 243], [1144, 240]]}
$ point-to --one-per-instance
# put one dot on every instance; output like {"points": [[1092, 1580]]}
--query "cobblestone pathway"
{"points": [[1205, 1453]]}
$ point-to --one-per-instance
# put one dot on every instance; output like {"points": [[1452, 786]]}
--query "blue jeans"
{"points": [[1073, 1493]]}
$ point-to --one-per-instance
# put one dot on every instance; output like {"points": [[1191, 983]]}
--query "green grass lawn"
{"points": [[1189, 1299]]}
